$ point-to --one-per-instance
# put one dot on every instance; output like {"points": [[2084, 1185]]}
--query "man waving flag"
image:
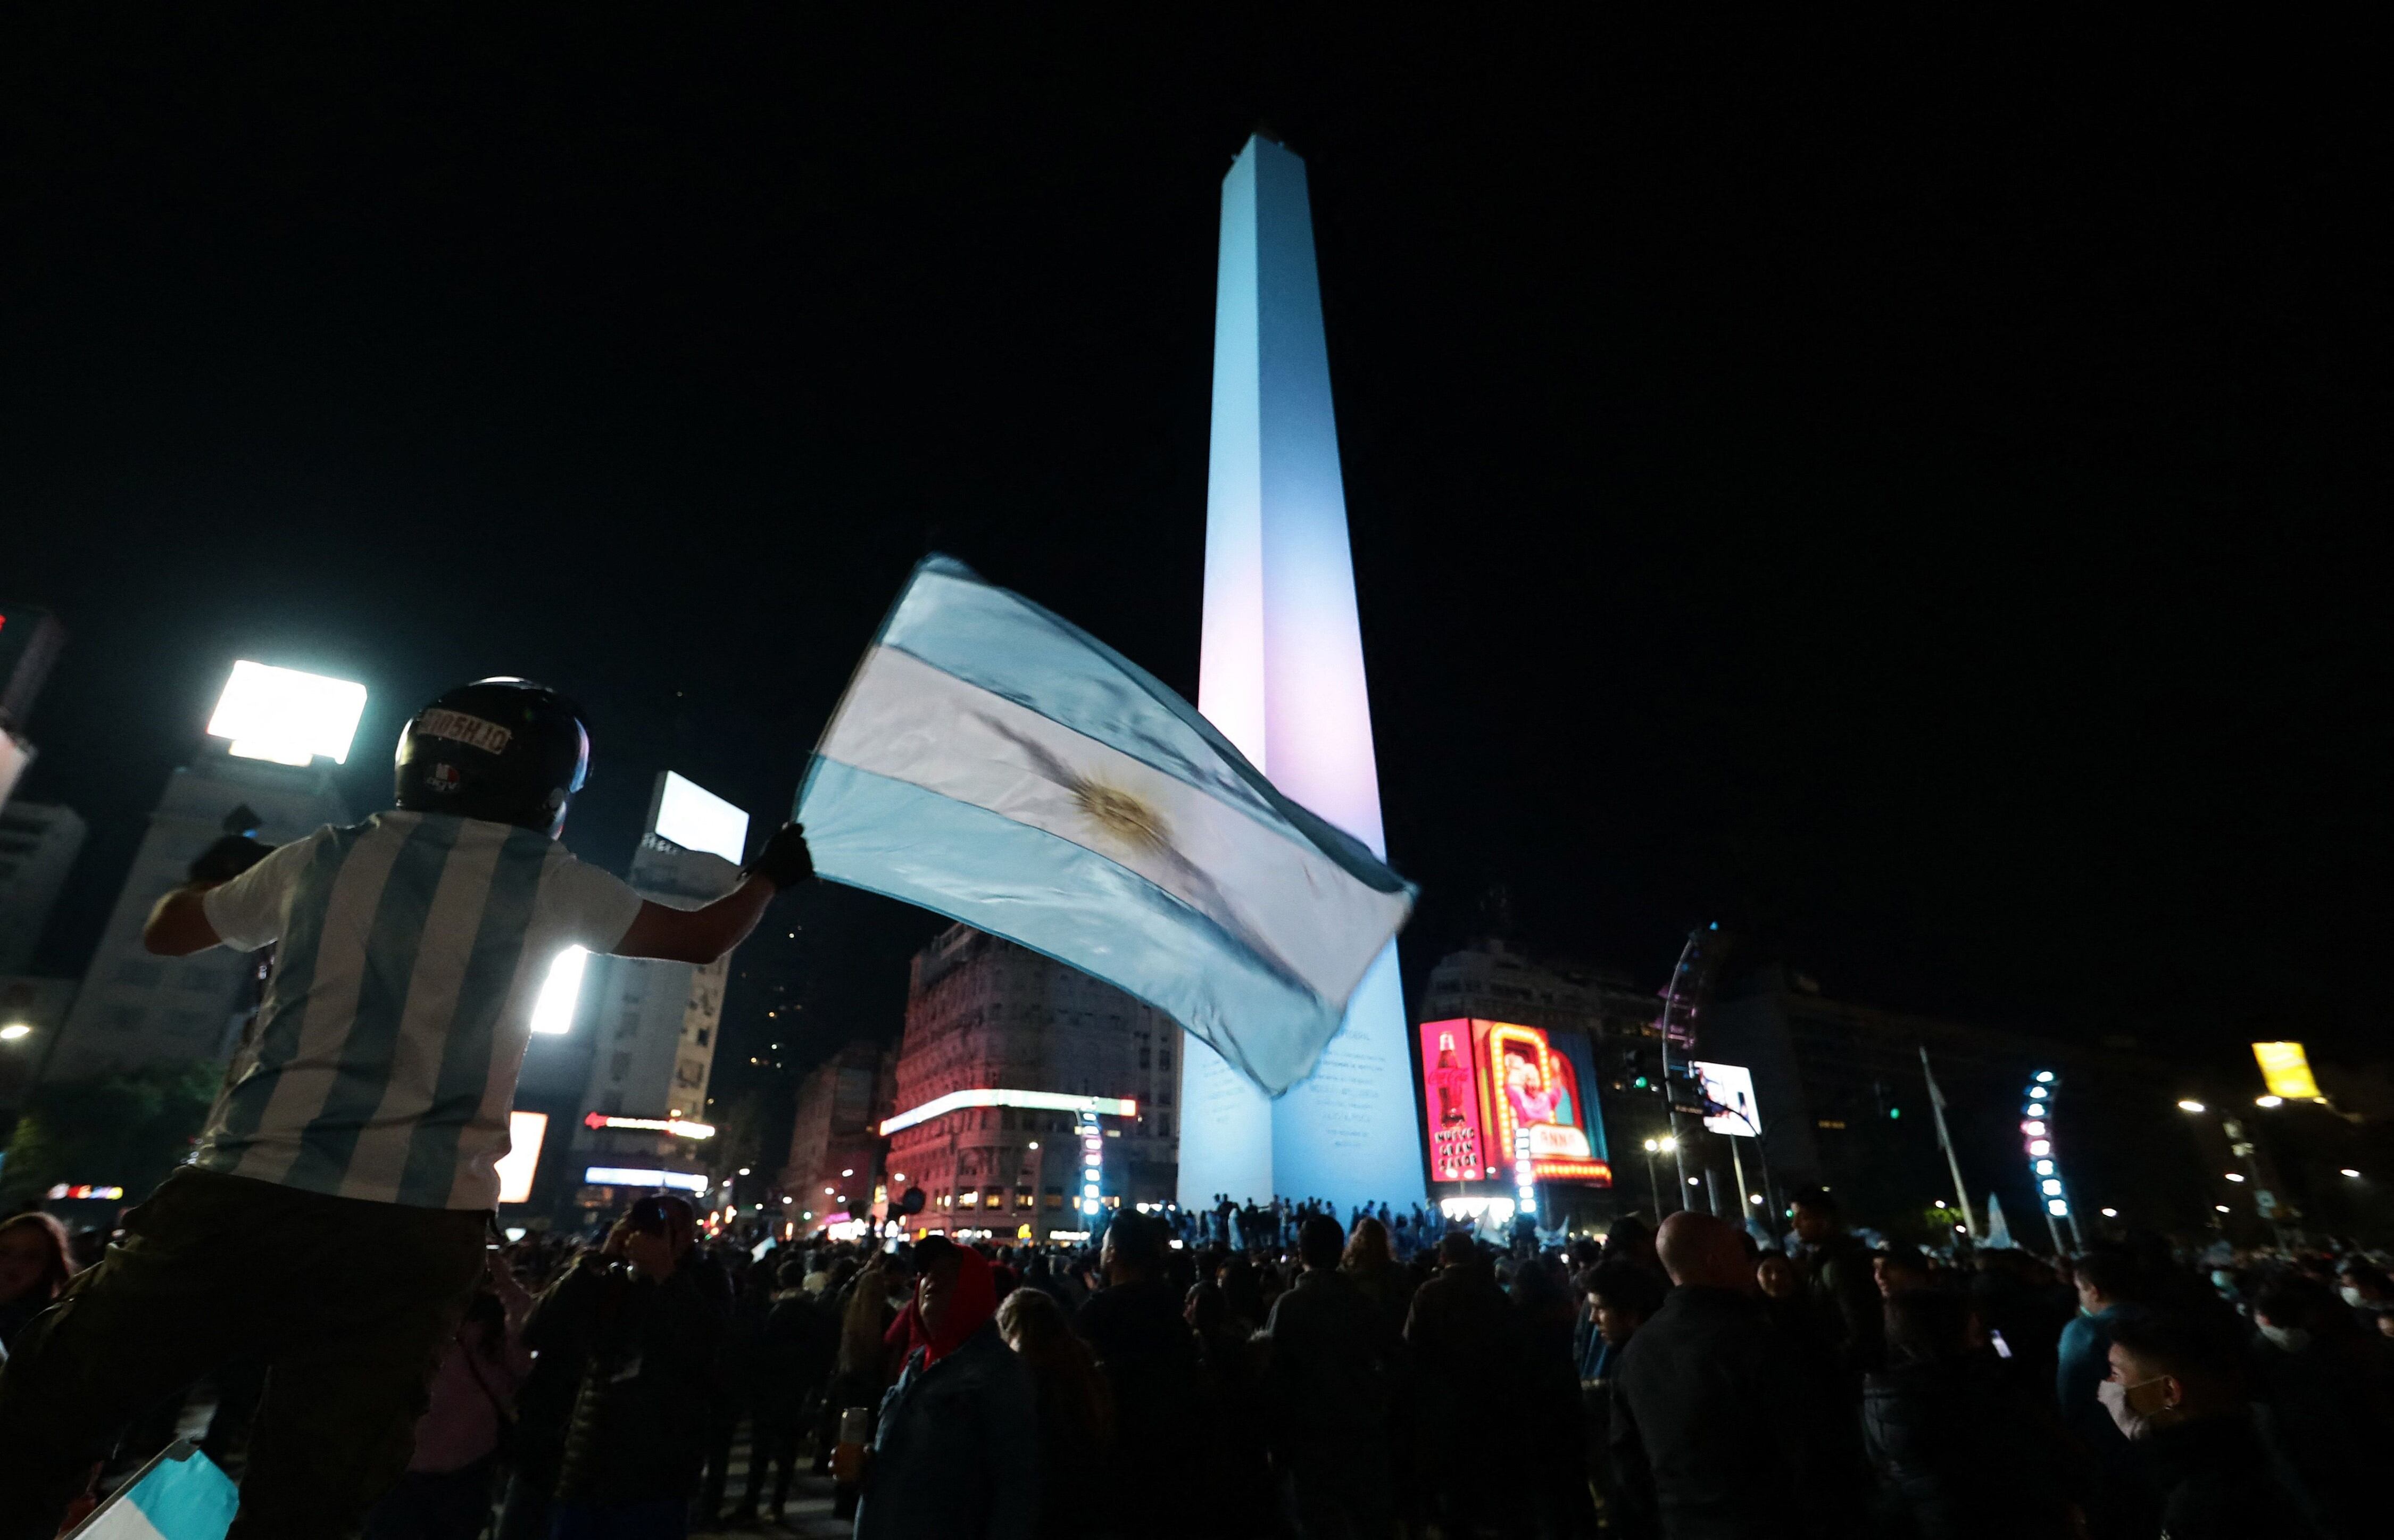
{"points": [[993, 762]]}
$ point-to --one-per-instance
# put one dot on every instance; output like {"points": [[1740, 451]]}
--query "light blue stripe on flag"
{"points": [[992, 762], [181, 1496]]}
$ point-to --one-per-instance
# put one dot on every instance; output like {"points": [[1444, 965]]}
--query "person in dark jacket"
{"points": [[1706, 1427], [2174, 1392], [1326, 1382], [794, 1349], [1076, 1417], [1622, 1297], [636, 1442], [1463, 1334], [1555, 1488], [2326, 1391], [1940, 1416], [1840, 1280], [955, 1451], [1148, 1353]]}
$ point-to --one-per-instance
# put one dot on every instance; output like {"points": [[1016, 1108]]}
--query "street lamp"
{"points": [[2268, 1101], [2191, 1105], [1653, 1148]]}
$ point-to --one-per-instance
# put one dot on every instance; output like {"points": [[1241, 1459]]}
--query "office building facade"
{"points": [[38, 845], [134, 1009], [991, 1027], [834, 1164]]}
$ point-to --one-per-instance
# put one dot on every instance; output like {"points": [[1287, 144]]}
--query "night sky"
{"points": [[1904, 494]]}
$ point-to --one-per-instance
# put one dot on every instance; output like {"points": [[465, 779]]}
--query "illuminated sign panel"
{"points": [[696, 819], [2287, 1070], [1730, 1107], [679, 1128], [625, 1176], [1498, 1092], [525, 1132], [1050, 1101], [285, 716]]}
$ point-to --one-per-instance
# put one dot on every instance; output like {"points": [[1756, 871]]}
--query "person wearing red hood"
{"points": [[955, 1453]]}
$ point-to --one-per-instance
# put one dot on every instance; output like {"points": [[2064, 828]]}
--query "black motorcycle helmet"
{"points": [[506, 750]]}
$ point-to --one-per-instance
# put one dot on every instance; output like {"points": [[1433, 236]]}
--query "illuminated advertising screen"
{"points": [[2287, 1070], [1486, 1082], [1729, 1106]]}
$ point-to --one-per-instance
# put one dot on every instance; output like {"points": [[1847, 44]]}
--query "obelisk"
{"points": [[1281, 675]]}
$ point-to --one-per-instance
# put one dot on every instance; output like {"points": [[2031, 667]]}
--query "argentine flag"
{"points": [[180, 1495], [993, 762]]}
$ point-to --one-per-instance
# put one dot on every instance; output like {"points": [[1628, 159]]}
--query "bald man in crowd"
{"points": [[1710, 1427]]}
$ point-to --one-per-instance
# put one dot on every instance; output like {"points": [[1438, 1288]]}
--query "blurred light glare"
{"points": [[2192, 1106], [2350, 1172], [2111, 1213], [2235, 1176], [14, 1031], [287, 717], [2268, 1101], [553, 1012], [2045, 1077]]}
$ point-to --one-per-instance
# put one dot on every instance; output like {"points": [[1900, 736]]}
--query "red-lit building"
{"points": [[991, 1026]]}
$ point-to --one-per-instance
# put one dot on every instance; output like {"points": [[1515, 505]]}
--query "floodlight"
{"points": [[287, 717], [695, 819], [553, 1012]]}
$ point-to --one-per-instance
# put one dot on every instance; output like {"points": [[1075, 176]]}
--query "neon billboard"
{"points": [[1496, 1091]]}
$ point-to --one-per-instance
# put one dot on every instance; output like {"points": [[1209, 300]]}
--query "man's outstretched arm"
{"points": [[703, 934], [178, 923]]}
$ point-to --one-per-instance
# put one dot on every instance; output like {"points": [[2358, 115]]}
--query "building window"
{"points": [[1025, 1198], [620, 1066], [1055, 1197], [1164, 1058], [1143, 1057]]}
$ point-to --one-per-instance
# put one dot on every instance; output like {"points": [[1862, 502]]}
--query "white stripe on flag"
{"points": [[905, 720]]}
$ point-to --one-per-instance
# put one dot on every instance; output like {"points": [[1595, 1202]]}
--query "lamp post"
{"points": [[1653, 1148]]}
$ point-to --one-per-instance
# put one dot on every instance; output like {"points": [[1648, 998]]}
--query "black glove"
{"points": [[785, 862], [229, 858]]}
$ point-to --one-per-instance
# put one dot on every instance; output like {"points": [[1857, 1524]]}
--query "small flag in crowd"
{"points": [[996, 763], [180, 1495]]}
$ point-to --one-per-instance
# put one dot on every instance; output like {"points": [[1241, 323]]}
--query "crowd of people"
{"points": [[1685, 1382]]}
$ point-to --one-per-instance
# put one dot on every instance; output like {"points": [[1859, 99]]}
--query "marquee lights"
{"points": [[1045, 1102]]}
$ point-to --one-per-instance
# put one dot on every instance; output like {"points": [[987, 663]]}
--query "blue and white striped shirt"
{"points": [[412, 948]]}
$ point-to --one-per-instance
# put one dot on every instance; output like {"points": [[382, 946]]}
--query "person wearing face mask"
{"points": [[2107, 1282], [2365, 1292], [2176, 1394], [2325, 1388]]}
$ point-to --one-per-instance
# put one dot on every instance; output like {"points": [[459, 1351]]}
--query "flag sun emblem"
{"points": [[1124, 816]]}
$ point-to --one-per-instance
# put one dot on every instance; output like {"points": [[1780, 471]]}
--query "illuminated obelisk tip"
{"points": [[1281, 675]]}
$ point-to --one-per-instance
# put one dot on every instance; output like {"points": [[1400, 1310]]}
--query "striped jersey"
{"points": [[412, 948]]}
